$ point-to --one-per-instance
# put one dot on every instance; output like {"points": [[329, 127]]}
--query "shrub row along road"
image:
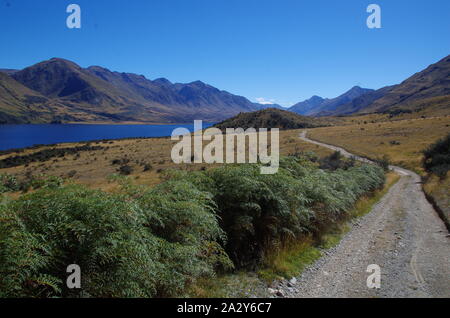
{"points": [[402, 234]]}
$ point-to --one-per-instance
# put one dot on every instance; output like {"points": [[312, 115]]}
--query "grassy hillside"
{"points": [[402, 141], [273, 118], [17, 102], [432, 82]]}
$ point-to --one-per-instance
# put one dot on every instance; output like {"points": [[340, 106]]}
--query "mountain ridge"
{"points": [[59, 90], [419, 91], [97, 94], [316, 105]]}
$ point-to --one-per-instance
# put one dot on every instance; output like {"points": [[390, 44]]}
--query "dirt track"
{"points": [[402, 234]]}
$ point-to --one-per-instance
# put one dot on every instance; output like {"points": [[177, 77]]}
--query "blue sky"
{"points": [[280, 50]]}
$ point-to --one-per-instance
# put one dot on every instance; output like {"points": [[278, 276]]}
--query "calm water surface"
{"points": [[20, 136]]}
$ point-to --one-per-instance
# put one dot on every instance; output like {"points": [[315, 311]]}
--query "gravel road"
{"points": [[402, 234]]}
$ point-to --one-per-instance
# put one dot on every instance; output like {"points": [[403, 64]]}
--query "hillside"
{"points": [[318, 106], [359, 103], [8, 71], [432, 82], [428, 90], [98, 94], [272, 118], [307, 106], [17, 101]]}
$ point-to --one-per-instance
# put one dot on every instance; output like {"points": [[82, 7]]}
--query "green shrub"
{"points": [[154, 242], [336, 161], [8, 183], [125, 247], [437, 157], [259, 212], [383, 162]]}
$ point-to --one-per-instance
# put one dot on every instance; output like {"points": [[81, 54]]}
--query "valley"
{"points": [[146, 163], [224, 149], [337, 206]]}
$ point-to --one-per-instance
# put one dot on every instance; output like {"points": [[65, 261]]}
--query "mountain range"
{"points": [[428, 89], [317, 105], [59, 90]]}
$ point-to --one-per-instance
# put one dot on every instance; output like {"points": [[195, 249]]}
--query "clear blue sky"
{"points": [[281, 50]]}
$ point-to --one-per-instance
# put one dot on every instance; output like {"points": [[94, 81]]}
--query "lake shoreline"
{"points": [[37, 146], [17, 138]]}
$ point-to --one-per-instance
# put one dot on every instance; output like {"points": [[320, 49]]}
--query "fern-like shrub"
{"points": [[8, 183], [150, 245], [154, 242], [260, 212]]}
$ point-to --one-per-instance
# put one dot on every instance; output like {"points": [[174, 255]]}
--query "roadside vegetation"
{"points": [[141, 241], [436, 162]]}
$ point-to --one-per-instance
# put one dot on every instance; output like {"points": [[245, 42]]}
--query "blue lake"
{"points": [[20, 136]]}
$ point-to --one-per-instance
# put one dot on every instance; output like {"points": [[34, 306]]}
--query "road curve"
{"points": [[402, 234]]}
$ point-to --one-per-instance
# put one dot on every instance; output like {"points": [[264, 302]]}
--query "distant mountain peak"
{"points": [[96, 93], [198, 84], [60, 61], [8, 71], [315, 97], [98, 68], [162, 81], [306, 106], [316, 104]]}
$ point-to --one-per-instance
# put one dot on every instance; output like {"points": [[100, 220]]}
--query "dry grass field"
{"points": [[148, 158], [401, 140]]}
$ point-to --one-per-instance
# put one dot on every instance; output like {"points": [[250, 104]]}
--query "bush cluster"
{"points": [[151, 245], [336, 161], [154, 242], [10, 183], [260, 212], [437, 157], [45, 155]]}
